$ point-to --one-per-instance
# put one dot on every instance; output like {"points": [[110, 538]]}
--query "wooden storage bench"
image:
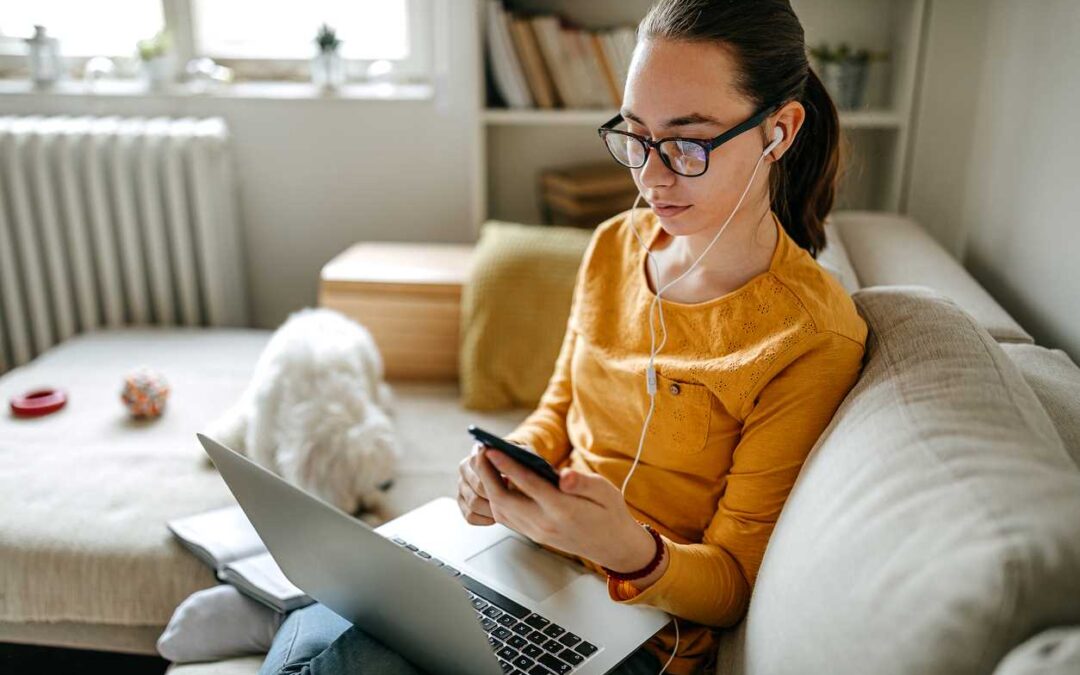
{"points": [[408, 296]]}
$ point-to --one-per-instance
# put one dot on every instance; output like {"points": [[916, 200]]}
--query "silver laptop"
{"points": [[449, 596]]}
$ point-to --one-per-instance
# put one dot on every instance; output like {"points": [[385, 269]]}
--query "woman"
{"points": [[751, 344]]}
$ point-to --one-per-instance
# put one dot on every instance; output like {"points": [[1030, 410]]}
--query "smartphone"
{"points": [[538, 464]]}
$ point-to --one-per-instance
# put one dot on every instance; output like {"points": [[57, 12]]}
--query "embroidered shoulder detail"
{"points": [[788, 325]]}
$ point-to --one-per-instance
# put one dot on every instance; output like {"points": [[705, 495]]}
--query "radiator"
{"points": [[108, 222]]}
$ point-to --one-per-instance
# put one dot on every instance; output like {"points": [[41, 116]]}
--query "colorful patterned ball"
{"points": [[144, 393]]}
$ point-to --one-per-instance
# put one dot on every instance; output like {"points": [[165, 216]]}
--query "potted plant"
{"points": [[843, 72], [327, 67], [156, 60]]}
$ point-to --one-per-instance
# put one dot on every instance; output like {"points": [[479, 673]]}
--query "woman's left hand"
{"points": [[586, 515]]}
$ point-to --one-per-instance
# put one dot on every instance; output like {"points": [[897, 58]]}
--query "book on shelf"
{"points": [[505, 63], [547, 61], [225, 540], [607, 71], [551, 48], [536, 69], [581, 71]]}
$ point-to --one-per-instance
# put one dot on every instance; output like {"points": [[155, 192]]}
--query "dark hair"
{"points": [[767, 43]]}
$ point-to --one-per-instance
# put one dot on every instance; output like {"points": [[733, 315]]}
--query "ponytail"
{"points": [[803, 187]]}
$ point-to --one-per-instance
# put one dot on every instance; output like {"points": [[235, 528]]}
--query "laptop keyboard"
{"points": [[524, 641]]}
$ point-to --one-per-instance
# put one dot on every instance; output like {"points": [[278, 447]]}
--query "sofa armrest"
{"points": [[888, 249]]}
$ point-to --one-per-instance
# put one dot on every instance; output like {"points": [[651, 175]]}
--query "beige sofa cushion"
{"points": [[889, 250], [934, 524], [1056, 381], [85, 559]]}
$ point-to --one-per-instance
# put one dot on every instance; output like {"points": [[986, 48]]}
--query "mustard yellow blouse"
{"points": [[746, 384]]}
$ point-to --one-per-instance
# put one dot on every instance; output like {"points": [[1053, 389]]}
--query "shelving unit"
{"points": [[516, 144]]}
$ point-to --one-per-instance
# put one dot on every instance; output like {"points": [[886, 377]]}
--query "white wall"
{"points": [[318, 175], [994, 173]]}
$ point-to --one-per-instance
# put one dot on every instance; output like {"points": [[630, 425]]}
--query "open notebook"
{"points": [[225, 540]]}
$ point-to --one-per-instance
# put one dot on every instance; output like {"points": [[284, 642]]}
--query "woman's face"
{"points": [[685, 89]]}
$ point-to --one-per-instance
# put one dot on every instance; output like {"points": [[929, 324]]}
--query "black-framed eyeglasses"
{"points": [[685, 156]]}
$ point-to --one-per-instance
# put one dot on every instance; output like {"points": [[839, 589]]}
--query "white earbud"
{"points": [[777, 137]]}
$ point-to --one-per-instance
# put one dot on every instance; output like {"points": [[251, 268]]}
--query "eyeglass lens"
{"points": [[683, 157]]}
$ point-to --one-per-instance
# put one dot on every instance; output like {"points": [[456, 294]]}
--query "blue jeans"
{"points": [[314, 640]]}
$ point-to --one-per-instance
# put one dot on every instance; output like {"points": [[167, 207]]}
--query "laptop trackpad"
{"points": [[530, 569]]}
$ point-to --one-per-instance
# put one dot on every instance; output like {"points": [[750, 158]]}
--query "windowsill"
{"points": [[382, 91]]}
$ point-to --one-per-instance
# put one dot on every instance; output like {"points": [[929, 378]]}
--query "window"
{"points": [[101, 27], [369, 29], [280, 42], [258, 40]]}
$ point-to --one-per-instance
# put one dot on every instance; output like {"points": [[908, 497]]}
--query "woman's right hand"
{"points": [[471, 499]]}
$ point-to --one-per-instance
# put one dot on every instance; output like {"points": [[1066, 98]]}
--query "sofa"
{"points": [[934, 528]]}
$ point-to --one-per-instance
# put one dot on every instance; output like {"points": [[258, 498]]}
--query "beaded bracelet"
{"points": [[648, 569]]}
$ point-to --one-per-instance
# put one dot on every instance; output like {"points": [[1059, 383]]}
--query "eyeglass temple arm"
{"points": [[738, 129], [722, 138], [611, 122]]}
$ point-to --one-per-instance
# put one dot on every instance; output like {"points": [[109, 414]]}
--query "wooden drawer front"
{"points": [[417, 333]]}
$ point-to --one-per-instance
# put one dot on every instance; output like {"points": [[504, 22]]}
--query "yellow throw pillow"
{"points": [[514, 309]]}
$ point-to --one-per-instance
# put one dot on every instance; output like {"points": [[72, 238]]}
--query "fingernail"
{"points": [[494, 456]]}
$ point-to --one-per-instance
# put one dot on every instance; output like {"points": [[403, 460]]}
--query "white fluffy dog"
{"points": [[317, 411]]}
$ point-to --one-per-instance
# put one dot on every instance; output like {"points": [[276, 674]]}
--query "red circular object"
{"points": [[38, 403]]}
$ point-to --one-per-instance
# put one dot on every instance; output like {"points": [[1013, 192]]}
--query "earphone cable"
{"points": [[654, 349]]}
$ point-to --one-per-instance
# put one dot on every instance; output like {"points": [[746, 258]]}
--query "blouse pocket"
{"points": [[680, 420], [611, 402]]}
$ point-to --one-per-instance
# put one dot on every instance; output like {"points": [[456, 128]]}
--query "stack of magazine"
{"points": [[225, 540], [546, 61]]}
